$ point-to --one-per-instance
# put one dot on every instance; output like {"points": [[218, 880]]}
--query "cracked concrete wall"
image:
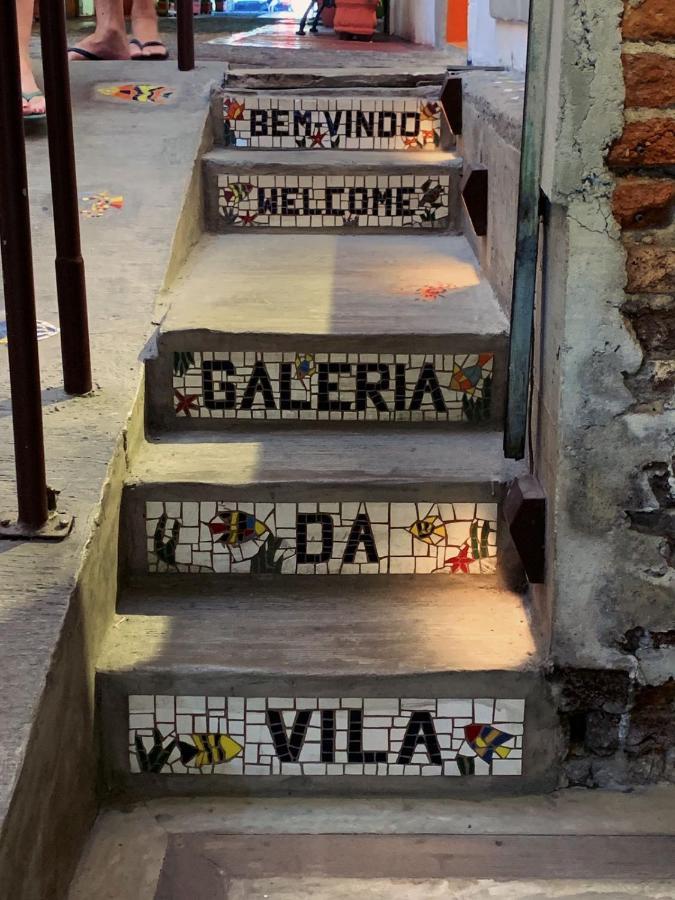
{"points": [[603, 452]]}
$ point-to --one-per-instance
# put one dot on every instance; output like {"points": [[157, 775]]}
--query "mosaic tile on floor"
{"points": [[344, 387], [324, 538], [278, 122], [210, 735]]}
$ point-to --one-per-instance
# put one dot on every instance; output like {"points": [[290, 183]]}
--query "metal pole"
{"points": [[17, 271], [70, 279], [185, 34]]}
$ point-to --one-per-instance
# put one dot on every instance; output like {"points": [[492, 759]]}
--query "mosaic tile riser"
{"points": [[339, 538], [331, 123], [333, 386], [320, 736], [334, 201]]}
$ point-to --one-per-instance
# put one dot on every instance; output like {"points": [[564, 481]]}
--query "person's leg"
{"points": [[109, 40], [24, 14], [144, 25]]}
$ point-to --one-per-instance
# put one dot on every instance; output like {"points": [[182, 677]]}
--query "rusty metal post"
{"points": [[185, 35], [70, 279], [17, 271]]}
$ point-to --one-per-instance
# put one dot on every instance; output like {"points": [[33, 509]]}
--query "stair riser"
{"points": [[284, 530], [249, 386], [312, 750], [411, 123], [279, 197]]}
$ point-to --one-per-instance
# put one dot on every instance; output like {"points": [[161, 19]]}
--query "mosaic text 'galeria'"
{"points": [[323, 736], [346, 387]]}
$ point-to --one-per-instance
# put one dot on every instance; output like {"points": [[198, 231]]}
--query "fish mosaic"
{"points": [[138, 93], [98, 205], [487, 740]]}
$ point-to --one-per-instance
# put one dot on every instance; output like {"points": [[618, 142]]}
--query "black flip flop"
{"points": [[157, 57], [86, 54]]}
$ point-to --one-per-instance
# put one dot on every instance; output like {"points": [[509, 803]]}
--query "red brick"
{"points": [[643, 202], [649, 20], [650, 268], [645, 144], [650, 80]]}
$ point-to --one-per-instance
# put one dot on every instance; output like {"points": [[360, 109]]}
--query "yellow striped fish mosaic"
{"points": [[145, 94], [371, 538]]}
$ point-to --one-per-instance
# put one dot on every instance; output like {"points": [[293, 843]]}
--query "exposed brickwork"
{"points": [[650, 80], [645, 144], [644, 202], [649, 20], [650, 268]]}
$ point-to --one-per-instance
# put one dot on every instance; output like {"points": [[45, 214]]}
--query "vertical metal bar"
{"points": [[17, 271], [185, 35], [70, 279], [527, 239]]}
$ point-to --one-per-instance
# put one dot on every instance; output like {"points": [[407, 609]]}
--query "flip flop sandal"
{"points": [[159, 56], [31, 116], [86, 54]]}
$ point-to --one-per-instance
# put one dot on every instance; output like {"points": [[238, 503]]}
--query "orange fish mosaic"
{"points": [[100, 204], [138, 93]]}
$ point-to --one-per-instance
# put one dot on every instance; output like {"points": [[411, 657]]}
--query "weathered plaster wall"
{"points": [[416, 20], [604, 410], [496, 41]]}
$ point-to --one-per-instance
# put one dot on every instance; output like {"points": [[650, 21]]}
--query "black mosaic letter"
{"points": [[406, 130], [288, 196], [427, 383], [301, 523], [365, 122], [327, 735], [258, 123], [208, 368], [361, 533], [401, 392], [387, 197], [366, 390], [389, 131], [403, 200], [333, 123], [330, 209], [328, 387], [355, 751], [259, 382], [268, 204], [279, 123], [420, 730], [288, 748], [361, 210], [303, 119], [285, 401]]}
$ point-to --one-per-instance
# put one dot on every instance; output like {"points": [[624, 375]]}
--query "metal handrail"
{"points": [[185, 35]]}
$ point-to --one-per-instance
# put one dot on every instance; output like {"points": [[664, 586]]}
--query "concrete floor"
{"points": [[577, 844]]}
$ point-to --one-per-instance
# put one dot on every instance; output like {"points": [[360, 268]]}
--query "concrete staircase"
{"points": [[325, 401]]}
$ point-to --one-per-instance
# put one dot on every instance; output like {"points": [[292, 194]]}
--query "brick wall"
{"points": [[644, 201]]}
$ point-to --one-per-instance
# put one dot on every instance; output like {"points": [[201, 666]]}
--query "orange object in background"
{"points": [[356, 17], [458, 22]]}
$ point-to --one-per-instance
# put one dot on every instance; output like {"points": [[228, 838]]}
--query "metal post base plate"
{"points": [[57, 527]]}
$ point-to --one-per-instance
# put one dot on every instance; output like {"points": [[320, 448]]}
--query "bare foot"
{"points": [[106, 45]]}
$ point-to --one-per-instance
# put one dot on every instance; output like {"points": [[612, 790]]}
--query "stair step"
{"points": [[318, 302], [319, 504], [405, 120], [375, 190], [398, 669]]}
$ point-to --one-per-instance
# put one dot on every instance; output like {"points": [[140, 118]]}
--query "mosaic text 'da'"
{"points": [[333, 386], [340, 538], [321, 736], [334, 201], [332, 123]]}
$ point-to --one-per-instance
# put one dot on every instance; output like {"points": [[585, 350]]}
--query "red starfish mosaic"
{"points": [[186, 402]]}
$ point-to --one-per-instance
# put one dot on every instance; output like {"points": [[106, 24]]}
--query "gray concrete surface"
{"points": [[56, 605], [129, 846]]}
